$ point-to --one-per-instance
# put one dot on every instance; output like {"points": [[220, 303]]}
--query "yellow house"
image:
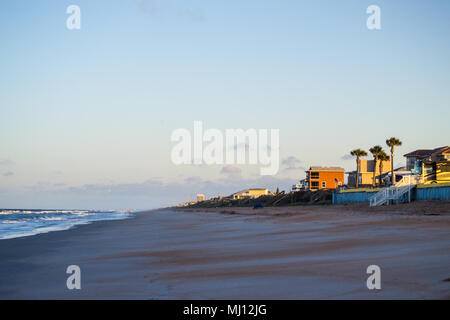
{"points": [[250, 193], [366, 172], [432, 164]]}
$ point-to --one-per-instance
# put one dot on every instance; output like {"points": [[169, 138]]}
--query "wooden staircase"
{"points": [[393, 194]]}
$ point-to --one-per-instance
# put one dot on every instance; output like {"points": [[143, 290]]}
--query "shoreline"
{"points": [[307, 252], [419, 208]]}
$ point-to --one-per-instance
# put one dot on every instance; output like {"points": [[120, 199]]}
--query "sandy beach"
{"points": [[310, 252]]}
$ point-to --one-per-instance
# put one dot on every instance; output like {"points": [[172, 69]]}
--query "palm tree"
{"points": [[382, 156], [392, 143], [375, 151], [358, 153]]}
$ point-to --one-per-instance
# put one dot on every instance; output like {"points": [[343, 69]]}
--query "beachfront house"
{"points": [[301, 186], [367, 168], [201, 197], [250, 193], [432, 165], [318, 178], [414, 159]]}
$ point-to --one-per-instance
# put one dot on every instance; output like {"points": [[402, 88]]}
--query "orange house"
{"points": [[318, 178]]}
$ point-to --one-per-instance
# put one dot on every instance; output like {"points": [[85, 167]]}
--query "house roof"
{"points": [[425, 152], [419, 153], [331, 169], [248, 190]]}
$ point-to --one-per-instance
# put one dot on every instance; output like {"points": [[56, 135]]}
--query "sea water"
{"points": [[22, 223]]}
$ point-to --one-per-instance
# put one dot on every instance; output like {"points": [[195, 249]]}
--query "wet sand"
{"points": [[311, 252]]}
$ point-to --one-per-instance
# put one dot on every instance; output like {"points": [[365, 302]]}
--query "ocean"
{"points": [[16, 223]]}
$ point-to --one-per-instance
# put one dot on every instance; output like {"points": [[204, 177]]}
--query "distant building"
{"points": [[366, 172], [433, 165], [302, 186], [200, 197], [250, 193], [318, 178], [414, 159]]}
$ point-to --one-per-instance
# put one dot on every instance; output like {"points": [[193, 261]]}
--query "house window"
{"points": [[410, 163], [314, 175], [315, 185], [324, 184]]}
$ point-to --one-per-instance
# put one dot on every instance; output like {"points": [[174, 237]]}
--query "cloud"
{"points": [[347, 157], [192, 180], [231, 172], [8, 174], [292, 163], [6, 162], [59, 185], [148, 194]]}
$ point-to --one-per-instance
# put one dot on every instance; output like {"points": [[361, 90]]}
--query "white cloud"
{"points": [[6, 162], [231, 170], [8, 174], [347, 157], [292, 163], [146, 195]]}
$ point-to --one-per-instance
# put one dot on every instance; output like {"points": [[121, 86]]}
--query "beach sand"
{"points": [[308, 252]]}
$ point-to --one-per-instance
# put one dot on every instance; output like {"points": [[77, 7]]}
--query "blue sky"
{"points": [[86, 115]]}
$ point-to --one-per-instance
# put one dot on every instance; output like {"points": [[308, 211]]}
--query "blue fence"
{"points": [[352, 197], [434, 193]]}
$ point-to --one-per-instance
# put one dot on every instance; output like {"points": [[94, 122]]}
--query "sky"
{"points": [[86, 116]]}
